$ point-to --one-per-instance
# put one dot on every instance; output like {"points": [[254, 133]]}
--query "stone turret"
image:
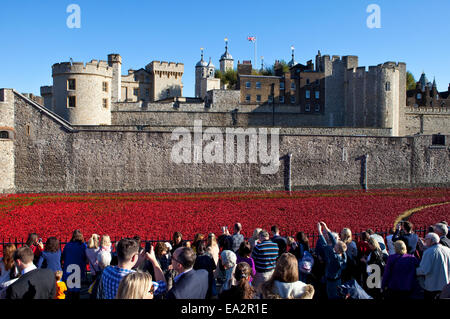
{"points": [[115, 61], [226, 60], [82, 92]]}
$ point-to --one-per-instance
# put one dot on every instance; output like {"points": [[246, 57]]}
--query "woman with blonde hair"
{"points": [[212, 247], [375, 257], [352, 270], [92, 250], [105, 243], [136, 285], [399, 278], [284, 283]]}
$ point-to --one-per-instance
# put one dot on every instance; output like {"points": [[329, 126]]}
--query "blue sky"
{"points": [[34, 34]]}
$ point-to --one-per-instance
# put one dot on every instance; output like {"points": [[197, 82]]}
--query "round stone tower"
{"points": [[82, 93], [201, 72]]}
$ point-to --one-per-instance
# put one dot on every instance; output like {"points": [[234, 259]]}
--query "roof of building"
{"points": [[226, 55], [210, 64]]}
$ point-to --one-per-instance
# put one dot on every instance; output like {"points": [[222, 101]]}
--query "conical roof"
{"points": [[210, 64], [423, 81], [201, 63]]}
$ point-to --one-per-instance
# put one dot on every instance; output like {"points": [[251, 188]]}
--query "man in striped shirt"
{"points": [[265, 256]]}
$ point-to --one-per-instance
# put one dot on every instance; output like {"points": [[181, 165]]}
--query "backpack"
{"points": [[306, 263]]}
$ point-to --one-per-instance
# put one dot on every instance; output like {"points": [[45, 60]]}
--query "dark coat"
{"points": [[445, 242], [36, 284], [191, 285]]}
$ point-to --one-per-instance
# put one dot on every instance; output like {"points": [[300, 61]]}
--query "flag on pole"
{"points": [[251, 39]]}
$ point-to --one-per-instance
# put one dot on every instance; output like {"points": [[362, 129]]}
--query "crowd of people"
{"points": [[269, 266]]}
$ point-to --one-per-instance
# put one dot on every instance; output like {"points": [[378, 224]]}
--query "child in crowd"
{"points": [[105, 243], [61, 287]]}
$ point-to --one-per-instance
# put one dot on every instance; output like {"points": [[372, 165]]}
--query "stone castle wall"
{"points": [[55, 158], [427, 120], [7, 145]]}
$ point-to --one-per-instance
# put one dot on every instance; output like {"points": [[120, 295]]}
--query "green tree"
{"points": [[229, 78], [410, 81]]}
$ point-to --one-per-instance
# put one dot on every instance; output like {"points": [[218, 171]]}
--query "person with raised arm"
{"points": [[335, 260]]}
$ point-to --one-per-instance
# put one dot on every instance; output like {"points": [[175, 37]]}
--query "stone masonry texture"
{"points": [[51, 157]]}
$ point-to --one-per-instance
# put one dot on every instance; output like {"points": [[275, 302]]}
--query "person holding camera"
{"points": [[404, 233], [127, 256], [36, 245]]}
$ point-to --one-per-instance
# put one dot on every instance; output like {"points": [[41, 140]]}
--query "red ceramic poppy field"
{"points": [[157, 216]]}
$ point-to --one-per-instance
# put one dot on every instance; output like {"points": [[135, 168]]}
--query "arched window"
{"points": [[4, 134]]}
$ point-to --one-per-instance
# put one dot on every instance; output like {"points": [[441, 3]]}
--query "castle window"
{"points": [[308, 94], [292, 85], [247, 85], [281, 99], [71, 101], [388, 86], [247, 98], [281, 85], [292, 99], [317, 93], [105, 103], [419, 96], [258, 85], [258, 98], [307, 107], [4, 134], [105, 86], [71, 84], [147, 92], [438, 139], [136, 92], [317, 108]]}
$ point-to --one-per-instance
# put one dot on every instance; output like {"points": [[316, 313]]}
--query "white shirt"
{"points": [[289, 289], [435, 266], [28, 269], [178, 276]]}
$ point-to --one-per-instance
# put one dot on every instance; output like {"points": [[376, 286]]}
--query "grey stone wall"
{"points": [[426, 120], [7, 145], [55, 159]]}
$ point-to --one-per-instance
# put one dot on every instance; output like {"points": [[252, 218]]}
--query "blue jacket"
{"points": [[410, 241], [52, 259], [334, 263], [74, 253]]}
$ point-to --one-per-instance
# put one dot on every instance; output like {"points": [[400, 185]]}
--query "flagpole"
{"points": [[255, 50]]}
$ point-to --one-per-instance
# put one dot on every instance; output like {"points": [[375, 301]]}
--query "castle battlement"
{"points": [[392, 65], [45, 90], [165, 66], [94, 67]]}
